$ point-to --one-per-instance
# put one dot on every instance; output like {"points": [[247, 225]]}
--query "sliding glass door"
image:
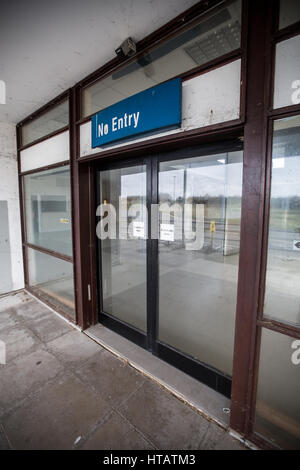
{"points": [[198, 261], [168, 229], [122, 233]]}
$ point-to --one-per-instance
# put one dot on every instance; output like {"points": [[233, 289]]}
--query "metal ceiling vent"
{"points": [[220, 42]]}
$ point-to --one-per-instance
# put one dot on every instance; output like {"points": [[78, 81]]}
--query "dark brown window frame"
{"points": [[65, 96], [82, 166], [256, 119], [46, 167], [45, 137], [82, 169], [171, 29], [264, 320], [271, 114], [287, 33], [25, 244]]}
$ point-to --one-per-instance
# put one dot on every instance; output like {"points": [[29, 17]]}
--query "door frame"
{"points": [[205, 373], [119, 326]]}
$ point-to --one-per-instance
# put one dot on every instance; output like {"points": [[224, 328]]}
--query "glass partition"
{"points": [[282, 294], [123, 255], [287, 73], [52, 278], [278, 404], [54, 119], [216, 34], [47, 204], [199, 259], [289, 13]]}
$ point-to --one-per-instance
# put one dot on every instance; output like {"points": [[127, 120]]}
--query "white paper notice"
{"points": [[138, 229], [167, 232]]}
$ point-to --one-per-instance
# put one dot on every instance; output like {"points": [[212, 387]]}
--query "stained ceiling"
{"points": [[48, 46]]}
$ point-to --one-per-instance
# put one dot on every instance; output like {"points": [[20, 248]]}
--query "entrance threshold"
{"points": [[211, 404]]}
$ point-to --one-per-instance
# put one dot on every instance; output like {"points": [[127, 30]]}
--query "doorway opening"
{"points": [[168, 235]]}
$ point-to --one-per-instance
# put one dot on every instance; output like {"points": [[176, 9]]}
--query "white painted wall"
{"points": [[50, 151], [11, 259]]}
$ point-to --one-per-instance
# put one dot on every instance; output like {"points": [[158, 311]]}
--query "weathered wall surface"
{"points": [[11, 260]]}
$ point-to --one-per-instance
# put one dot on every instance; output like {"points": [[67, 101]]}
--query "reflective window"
{"points": [[215, 35], [289, 13], [51, 121], [123, 255], [47, 203], [199, 258], [282, 296], [52, 278], [278, 404], [287, 73]]}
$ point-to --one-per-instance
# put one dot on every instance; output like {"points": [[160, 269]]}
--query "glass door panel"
{"points": [[198, 248], [175, 292], [123, 252]]}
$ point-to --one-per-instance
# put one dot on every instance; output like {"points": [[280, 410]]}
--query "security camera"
{"points": [[127, 48]]}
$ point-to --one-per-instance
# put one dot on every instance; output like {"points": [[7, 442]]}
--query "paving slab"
{"points": [[56, 416], [229, 443], [19, 340], [62, 390], [26, 374], [116, 434], [208, 401], [217, 438], [4, 444], [165, 420], [73, 348], [8, 319], [49, 327], [11, 300], [31, 309], [112, 377]]}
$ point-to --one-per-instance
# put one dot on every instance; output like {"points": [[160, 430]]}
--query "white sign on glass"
{"points": [[138, 229], [167, 232]]}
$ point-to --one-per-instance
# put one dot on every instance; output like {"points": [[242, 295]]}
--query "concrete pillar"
{"points": [[11, 258]]}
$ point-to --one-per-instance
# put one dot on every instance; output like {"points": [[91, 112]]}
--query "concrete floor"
{"points": [[61, 390]]}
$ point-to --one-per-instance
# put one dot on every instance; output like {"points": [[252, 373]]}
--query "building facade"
{"points": [[225, 307]]}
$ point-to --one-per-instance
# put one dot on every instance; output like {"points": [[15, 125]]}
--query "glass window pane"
{"points": [[52, 278], [47, 203], [278, 404], [287, 73], [282, 296], [198, 264], [124, 270], [48, 122], [214, 36], [289, 12]]}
